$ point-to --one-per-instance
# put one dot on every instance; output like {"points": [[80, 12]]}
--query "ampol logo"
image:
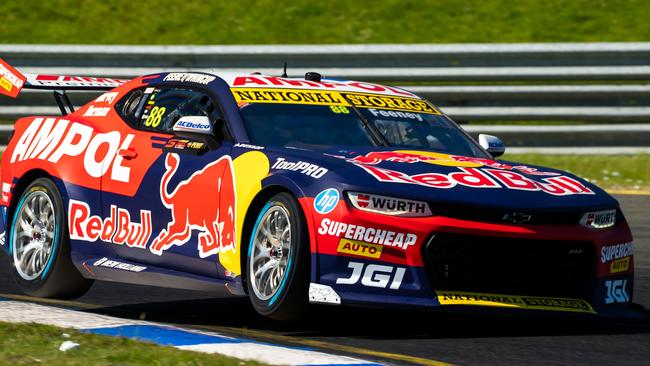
{"points": [[213, 212], [326, 201], [53, 139]]}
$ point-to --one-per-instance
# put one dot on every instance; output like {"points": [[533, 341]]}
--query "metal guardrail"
{"points": [[338, 56], [392, 74], [596, 82]]}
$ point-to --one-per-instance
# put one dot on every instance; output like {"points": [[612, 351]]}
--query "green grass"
{"points": [[334, 21], [629, 172], [32, 344]]}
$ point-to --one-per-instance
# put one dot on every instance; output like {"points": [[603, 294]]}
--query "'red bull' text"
{"points": [[118, 228]]}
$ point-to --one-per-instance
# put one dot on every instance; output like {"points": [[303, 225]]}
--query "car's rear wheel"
{"points": [[40, 247], [277, 275]]}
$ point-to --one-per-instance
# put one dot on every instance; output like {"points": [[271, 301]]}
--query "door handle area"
{"points": [[128, 154]]}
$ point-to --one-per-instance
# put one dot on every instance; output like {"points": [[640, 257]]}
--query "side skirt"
{"points": [[120, 270]]}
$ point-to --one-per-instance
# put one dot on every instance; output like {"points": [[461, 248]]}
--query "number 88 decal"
{"points": [[339, 109], [155, 117]]}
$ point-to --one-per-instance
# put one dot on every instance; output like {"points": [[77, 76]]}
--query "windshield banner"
{"points": [[328, 97]]}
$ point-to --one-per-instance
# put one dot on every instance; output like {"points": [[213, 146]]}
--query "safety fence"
{"points": [[586, 94]]}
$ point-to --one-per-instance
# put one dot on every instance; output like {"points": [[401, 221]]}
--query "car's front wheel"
{"points": [[40, 247], [277, 275]]}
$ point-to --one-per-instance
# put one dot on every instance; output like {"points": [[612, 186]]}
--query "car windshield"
{"points": [[305, 126], [325, 126]]}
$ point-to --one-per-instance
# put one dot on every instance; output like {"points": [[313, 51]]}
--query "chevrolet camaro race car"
{"points": [[295, 191]]}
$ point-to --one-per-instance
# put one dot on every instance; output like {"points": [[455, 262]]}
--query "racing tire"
{"points": [[277, 270], [40, 245]]}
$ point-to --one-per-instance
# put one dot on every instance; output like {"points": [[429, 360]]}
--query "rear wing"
{"points": [[62, 82], [13, 81]]}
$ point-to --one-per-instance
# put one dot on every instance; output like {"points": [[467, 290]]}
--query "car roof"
{"points": [[255, 80]]}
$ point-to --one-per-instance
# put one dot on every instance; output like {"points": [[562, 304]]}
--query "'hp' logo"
{"points": [[326, 201]]}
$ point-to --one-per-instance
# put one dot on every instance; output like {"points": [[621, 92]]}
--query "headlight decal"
{"points": [[388, 205], [599, 219]]}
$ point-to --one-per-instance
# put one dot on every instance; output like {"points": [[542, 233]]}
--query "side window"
{"points": [[128, 106], [163, 107], [158, 109]]}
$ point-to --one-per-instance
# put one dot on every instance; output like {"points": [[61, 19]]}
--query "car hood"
{"points": [[442, 178]]}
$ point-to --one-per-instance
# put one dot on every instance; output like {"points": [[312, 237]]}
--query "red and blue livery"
{"points": [[295, 191]]}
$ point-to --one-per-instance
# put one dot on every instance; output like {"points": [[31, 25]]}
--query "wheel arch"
{"points": [[63, 280], [26, 179], [252, 213], [19, 188], [249, 221]]}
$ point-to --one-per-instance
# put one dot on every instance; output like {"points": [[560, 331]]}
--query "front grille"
{"points": [[471, 263], [488, 214]]}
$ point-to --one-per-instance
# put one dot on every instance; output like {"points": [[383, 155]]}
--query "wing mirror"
{"points": [[492, 144], [193, 124]]}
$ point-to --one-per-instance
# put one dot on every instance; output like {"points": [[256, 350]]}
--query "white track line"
{"points": [[187, 339]]}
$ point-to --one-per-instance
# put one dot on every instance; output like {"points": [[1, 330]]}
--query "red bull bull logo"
{"points": [[204, 202], [410, 157], [479, 178], [376, 157]]}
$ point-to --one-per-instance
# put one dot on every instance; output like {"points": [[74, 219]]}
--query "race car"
{"points": [[294, 191]]}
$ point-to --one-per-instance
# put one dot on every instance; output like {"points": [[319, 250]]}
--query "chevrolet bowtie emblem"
{"points": [[517, 217]]}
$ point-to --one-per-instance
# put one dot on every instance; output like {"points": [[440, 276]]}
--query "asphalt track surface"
{"points": [[398, 337]]}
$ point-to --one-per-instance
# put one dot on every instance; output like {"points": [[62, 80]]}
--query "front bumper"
{"points": [[377, 260]]}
